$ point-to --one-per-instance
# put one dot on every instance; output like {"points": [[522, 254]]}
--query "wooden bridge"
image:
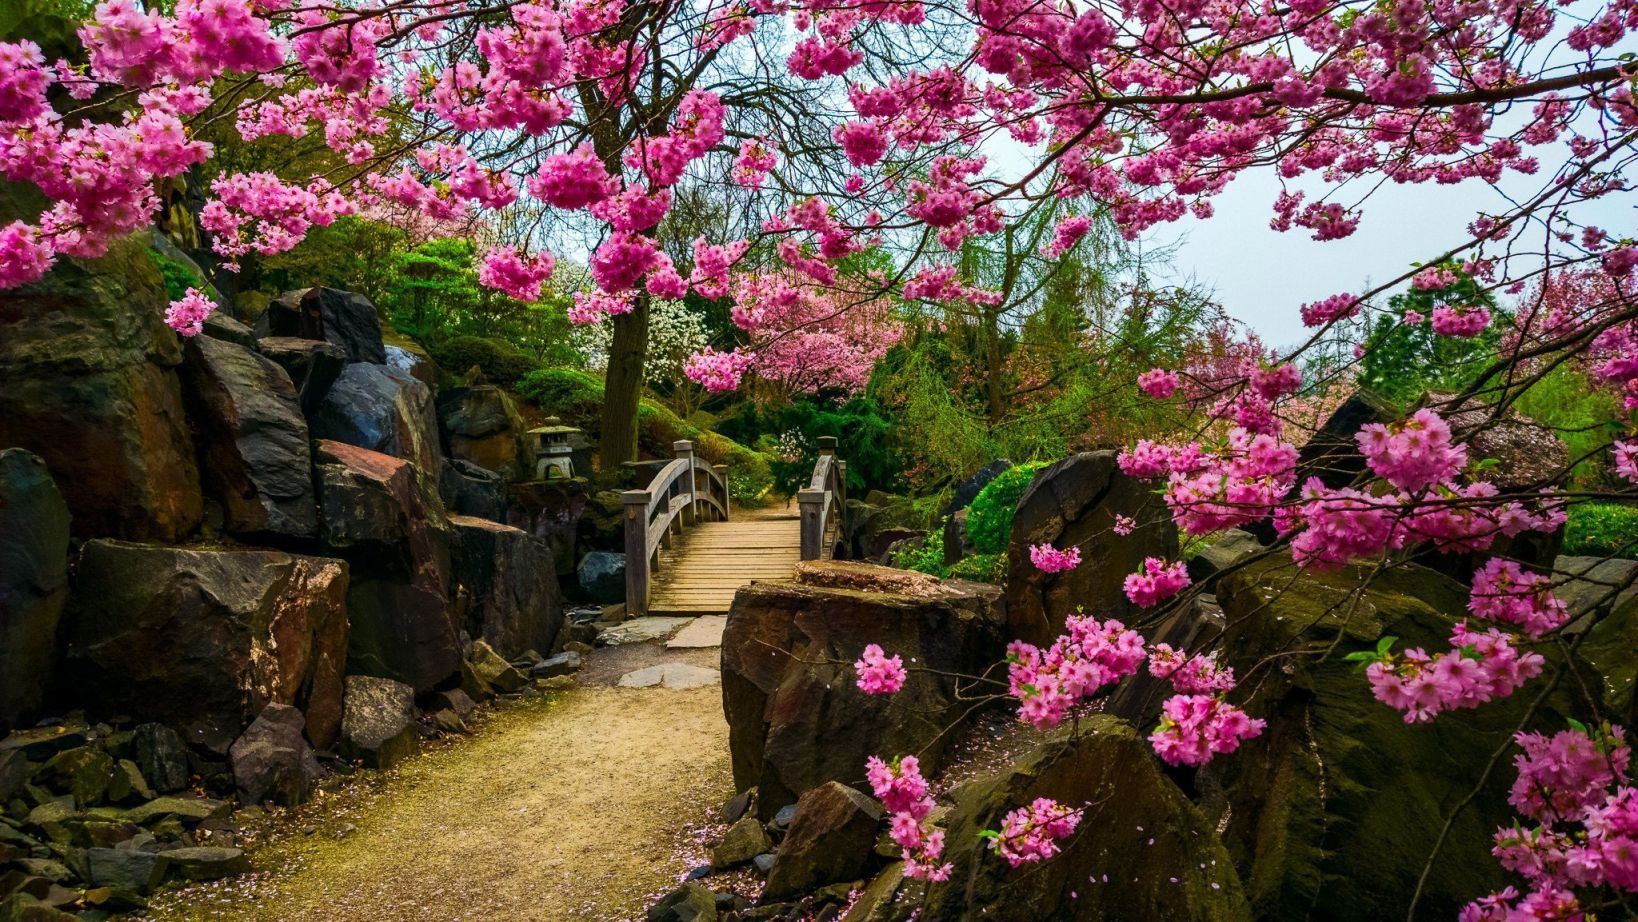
{"points": [[688, 551]]}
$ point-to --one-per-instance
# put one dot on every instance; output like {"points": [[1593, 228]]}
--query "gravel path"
{"points": [[578, 807]]}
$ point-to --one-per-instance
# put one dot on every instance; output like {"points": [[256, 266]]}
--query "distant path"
{"points": [[570, 809]]}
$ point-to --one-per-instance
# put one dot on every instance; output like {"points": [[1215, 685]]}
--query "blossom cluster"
{"points": [[1478, 667], [904, 793], [1574, 788], [1156, 581], [187, 315], [1030, 834], [1049, 559], [879, 674], [1089, 656]]}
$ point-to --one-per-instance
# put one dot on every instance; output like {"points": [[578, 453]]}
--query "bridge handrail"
{"points": [[682, 491], [825, 494]]}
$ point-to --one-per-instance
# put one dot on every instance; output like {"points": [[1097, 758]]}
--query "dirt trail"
{"points": [[575, 807]]}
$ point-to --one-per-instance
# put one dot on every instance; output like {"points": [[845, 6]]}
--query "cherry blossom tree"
{"points": [[840, 127]]}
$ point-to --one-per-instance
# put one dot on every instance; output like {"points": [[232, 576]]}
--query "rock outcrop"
{"points": [[342, 318], [384, 515], [254, 453], [378, 727], [378, 408], [313, 365], [1075, 502], [33, 582], [481, 425], [91, 387], [1141, 851], [1328, 812], [203, 640], [506, 586], [272, 761], [796, 718], [830, 840]]}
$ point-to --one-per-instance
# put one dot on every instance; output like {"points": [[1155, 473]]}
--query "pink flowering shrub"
{"points": [[1575, 790], [904, 793], [718, 371], [1156, 581], [879, 674], [1030, 834], [1158, 383], [187, 316], [1049, 559]]}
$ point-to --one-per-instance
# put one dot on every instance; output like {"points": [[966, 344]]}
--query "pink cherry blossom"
{"points": [[1156, 581], [506, 270], [1049, 559], [879, 674], [1158, 383], [187, 316]]}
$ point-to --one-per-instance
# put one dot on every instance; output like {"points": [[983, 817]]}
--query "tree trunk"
{"points": [[623, 386]]}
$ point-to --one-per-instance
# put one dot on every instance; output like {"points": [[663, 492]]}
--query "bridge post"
{"points": [[637, 569], [811, 505], [684, 450], [722, 471]]}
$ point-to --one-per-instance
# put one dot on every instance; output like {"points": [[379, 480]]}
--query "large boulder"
{"points": [[384, 514], [203, 640], [341, 318], [375, 407], [313, 365], [507, 586], [1075, 502], [1603, 600], [253, 439], [482, 425], [1141, 851], [1331, 812], [602, 576], [796, 718], [551, 510], [33, 582], [468, 489], [272, 760], [91, 387], [378, 727], [830, 840]]}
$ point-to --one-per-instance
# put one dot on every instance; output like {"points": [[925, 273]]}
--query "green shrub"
{"points": [[925, 556], [179, 277], [577, 398], [989, 519], [572, 395], [500, 362], [1602, 530], [982, 568]]}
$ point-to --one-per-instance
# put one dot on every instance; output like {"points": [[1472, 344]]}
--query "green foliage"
{"points": [[989, 519], [925, 556], [1585, 419], [1402, 362], [577, 398], [573, 395], [353, 254], [498, 360], [178, 277], [865, 433], [981, 568], [1602, 530]]}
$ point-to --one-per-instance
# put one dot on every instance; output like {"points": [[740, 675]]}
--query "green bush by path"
{"points": [[1602, 530], [989, 519]]}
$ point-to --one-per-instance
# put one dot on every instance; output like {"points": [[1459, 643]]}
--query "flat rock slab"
{"points": [[639, 630], [704, 631], [671, 675]]}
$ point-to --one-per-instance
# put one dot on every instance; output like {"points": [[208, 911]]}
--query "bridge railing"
{"points": [[685, 491], [823, 502]]}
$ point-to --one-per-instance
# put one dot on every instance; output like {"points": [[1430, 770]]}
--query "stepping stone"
{"points": [[704, 631], [639, 630], [677, 676]]}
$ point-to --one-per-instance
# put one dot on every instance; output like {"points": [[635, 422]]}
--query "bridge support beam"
{"points": [[638, 575]]}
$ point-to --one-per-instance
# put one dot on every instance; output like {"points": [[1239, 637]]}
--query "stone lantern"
{"points": [[552, 450]]}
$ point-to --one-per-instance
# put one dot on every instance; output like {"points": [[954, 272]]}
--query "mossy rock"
{"points": [[1333, 812], [1142, 850]]}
